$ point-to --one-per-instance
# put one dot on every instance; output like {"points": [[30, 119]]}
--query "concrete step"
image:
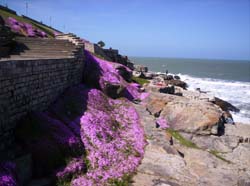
{"points": [[37, 46], [48, 51], [45, 47], [52, 47], [46, 42], [45, 55], [35, 57], [55, 42], [42, 55], [37, 39], [45, 51]]}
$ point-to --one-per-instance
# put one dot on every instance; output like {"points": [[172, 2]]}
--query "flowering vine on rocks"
{"points": [[113, 138], [102, 137], [86, 137], [7, 174], [162, 123], [25, 29], [103, 74]]}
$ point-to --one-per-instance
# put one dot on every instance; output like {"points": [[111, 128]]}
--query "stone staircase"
{"points": [[70, 37], [43, 48]]}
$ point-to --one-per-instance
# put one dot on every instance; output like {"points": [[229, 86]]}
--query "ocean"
{"points": [[226, 79]]}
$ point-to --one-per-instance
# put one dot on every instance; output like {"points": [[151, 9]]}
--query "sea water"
{"points": [[226, 79]]}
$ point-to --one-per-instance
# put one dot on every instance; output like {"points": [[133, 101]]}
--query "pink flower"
{"points": [[162, 123]]}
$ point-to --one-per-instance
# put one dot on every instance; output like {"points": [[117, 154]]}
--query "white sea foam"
{"points": [[235, 92]]}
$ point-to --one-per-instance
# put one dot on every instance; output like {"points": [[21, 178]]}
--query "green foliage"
{"points": [[47, 30], [181, 139], [101, 43], [98, 55], [63, 183], [217, 155], [86, 161], [126, 180], [139, 80], [187, 143]]}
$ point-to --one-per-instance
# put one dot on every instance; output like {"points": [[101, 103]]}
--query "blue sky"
{"points": [[217, 29]]}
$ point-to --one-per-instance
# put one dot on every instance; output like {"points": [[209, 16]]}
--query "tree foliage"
{"points": [[101, 43]]}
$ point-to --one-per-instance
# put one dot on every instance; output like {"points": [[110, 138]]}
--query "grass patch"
{"points": [[98, 55], [217, 155], [139, 80], [183, 141], [187, 143], [6, 14], [47, 30], [63, 183], [126, 180]]}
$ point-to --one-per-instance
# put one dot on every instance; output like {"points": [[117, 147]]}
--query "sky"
{"points": [[213, 29]]}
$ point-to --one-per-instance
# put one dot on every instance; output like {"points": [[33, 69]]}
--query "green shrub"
{"points": [[139, 80]]}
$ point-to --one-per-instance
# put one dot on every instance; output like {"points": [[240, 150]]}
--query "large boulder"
{"points": [[187, 115], [169, 77], [123, 71], [140, 68], [113, 90], [179, 158], [167, 90], [225, 106], [110, 77], [176, 82], [177, 77], [148, 75]]}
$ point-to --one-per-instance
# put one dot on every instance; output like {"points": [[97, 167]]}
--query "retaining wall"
{"points": [[32, 85]]}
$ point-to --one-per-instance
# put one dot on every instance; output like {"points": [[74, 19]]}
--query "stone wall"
{"points": [[32, 85], [89, 47], [100, 52], [114, 55]]}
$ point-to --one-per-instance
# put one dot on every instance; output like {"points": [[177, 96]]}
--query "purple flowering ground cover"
{"points": [[162, 123], [86, 137], [7, 174], [113, 138], [25, 29], [100, 138], [100, 74]]}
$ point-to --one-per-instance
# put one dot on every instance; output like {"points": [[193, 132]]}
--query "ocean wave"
{"points": [[235, 92]]}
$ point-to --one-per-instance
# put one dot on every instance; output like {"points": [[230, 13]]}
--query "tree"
{"points": [[101, 43]]}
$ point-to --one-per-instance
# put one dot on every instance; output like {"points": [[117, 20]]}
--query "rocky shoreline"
{"points": [[192, 138], [109, 127]]}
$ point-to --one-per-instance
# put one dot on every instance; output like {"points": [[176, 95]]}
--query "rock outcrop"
{"points": [[225, 106], [184, 114], [178, 158], [176, 82], [110, 77]]}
